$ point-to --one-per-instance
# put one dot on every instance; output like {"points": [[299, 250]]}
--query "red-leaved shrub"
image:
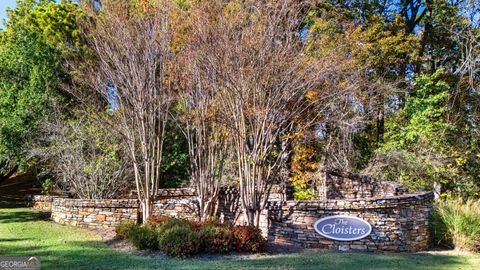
{"points": [[182, 238], [248, 239], [158, 219], [217, 239]]}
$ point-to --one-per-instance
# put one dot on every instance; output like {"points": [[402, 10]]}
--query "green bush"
{"points": [[142, 237], [47, 186], [455, 223], [179, 241], [302, 193], [217, 239], [123, 229], [156, 222], [170, 223]]}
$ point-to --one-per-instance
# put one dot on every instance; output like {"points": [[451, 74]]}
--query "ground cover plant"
{"points": [[182, 238]]}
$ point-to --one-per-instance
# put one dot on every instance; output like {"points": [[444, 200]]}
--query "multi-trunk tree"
{"points": [[253, 58], [129, 44], [208, 140]]}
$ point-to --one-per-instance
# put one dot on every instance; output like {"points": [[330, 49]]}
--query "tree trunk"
{"points": [[250, 214], [380, 125], [146, 205], [257, 218], [9, 173], [207, 209]]}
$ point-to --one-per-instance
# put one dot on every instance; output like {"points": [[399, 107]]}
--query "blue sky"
{"points": [[3, 8]]}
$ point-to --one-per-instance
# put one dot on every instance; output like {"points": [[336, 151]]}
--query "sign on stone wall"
{"points": [[343, 228]]}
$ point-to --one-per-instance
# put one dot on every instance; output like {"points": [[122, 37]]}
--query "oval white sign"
{"points": [[343, 228]]}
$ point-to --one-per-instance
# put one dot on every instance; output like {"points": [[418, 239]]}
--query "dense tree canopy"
{"points": [[31, 71], [414, 119]]}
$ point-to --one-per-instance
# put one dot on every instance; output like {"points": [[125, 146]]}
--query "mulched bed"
{"points": [[108, 237]]}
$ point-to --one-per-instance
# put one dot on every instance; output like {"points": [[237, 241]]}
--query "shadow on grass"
{"points": [[6, 203], [14, 239], [22, 216]]}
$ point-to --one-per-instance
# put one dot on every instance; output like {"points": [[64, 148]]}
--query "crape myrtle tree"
{"points": [[129, 44], [200, 114], [208, 144], [253, 58]]}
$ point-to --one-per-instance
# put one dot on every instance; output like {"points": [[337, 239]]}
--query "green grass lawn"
{"points": [[24, 233]]}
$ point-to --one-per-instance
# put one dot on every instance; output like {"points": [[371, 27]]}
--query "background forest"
{"points": [[384, 88]]}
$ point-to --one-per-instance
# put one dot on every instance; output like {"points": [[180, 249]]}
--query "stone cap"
{"points": [[361, 203], [190, 192], [42, 198], [100, 203], [176, 192]]}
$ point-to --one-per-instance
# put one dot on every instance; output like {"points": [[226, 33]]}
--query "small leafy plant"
{"points": [[143, 237], [124, 228]]}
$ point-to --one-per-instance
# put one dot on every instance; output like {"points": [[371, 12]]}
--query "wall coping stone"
{"points": [[100, 203], [176, 192], [43, 198], [359, 203]]}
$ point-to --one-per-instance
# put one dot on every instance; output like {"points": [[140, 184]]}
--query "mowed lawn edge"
{"points": [[25, 232]]}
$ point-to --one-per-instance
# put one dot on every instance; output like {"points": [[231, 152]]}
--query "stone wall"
{"points": [[179, 203], [94, 213], [182, 203], [41, 202], [228, 206], [399, 223], [340, 185]]}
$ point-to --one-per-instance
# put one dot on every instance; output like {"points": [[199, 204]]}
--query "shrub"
{"points": [[302, 193], [170, 223], [248, 239], [47, 186], [142, 237], [158, 219], [90, 160], [198, 225], [156, 222], [217, 239], [456, 223], [124, 228], [179, 241], [181, 238]]}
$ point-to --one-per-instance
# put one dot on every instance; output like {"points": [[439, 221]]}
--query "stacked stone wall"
{"points": [[182, 203], [340, 185], [399, 223], [179, 203], [94, 213], [41, 202]]}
